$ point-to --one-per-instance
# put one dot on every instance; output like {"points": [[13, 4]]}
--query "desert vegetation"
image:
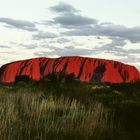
{"points": [[58, 107]]}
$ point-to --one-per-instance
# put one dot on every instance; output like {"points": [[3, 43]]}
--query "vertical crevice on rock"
{"points": [[98, 73], [81, 68]]}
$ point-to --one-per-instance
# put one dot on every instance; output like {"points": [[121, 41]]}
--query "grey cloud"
{"points": [[69, 17], [69, 47], [71, 51], [41, 53], [19, 24], [44, 35], [130, 59], [115, 47], [63, 40], [118, 41], [4, 46], [28, 46], [114, 50], [70, 20], [134, 51], [98, 37], [63, 8], [67, 51], [7, 52], [79, 25], [131, 34]]}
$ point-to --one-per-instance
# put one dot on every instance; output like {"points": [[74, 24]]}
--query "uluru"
{"points": [[84, 68]]}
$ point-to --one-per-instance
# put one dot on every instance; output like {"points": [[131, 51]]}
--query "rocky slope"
{"points": [[85, 69]]}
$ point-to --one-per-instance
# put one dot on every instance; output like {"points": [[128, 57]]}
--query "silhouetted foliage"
{"points": [[59, 77], [70, 78], [50, 77], [122, 102], [23, 78]]}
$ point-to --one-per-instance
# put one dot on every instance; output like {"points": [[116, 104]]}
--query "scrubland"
{"points": [[73, 110]]}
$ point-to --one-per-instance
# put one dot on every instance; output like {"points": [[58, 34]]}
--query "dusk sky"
{"points": [[107, 29]]}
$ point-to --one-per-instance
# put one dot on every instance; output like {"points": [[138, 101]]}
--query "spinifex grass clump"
{"points": [[58, 109], [29, 116]]}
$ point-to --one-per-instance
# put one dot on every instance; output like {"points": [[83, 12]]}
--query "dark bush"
{"points": [[23, 78], [59, 77], [70, 78]]}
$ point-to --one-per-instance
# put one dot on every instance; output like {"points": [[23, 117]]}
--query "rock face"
{"points": [[85, 69]]}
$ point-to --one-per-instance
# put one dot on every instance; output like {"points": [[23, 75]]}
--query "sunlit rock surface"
{"points": [[84, 69]]}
